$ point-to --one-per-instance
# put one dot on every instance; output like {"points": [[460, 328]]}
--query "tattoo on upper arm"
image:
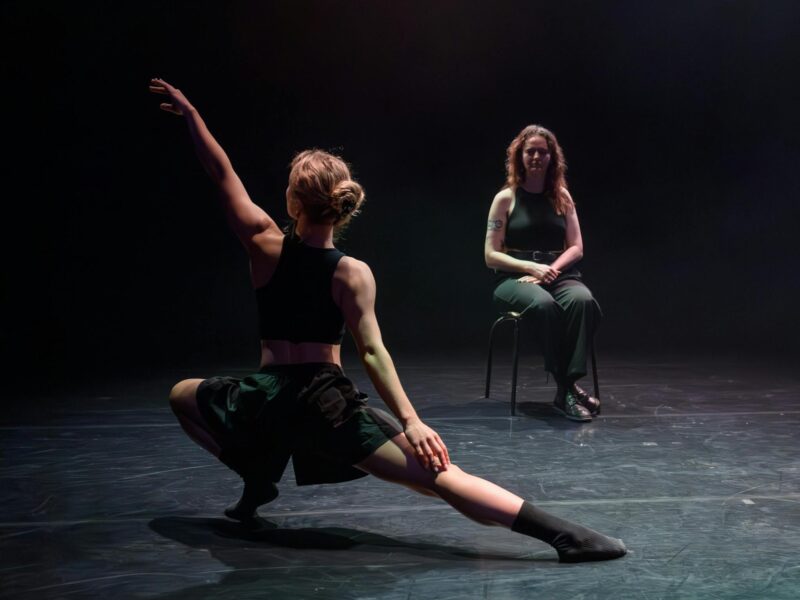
{"points": [[495, 224]]}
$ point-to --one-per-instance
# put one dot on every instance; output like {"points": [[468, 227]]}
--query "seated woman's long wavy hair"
{"points": [[555, 180]]}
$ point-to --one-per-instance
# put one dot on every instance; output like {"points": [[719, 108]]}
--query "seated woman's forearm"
{"points": [[504, 262], [570, 256]]}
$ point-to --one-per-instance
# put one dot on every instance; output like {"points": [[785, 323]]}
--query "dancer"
{"points": [[300, 404], [533, 241]]}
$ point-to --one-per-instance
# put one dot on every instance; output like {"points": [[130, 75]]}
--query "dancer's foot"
{"points": [[586, 399], [582, 544], [568, 405], [255, 494], [573, 542]]}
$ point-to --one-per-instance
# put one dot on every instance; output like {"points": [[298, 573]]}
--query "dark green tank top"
{"points": [[533, 223], [297, 304]]}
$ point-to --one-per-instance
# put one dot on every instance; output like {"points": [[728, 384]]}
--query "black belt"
{"points": [[540, 256]]}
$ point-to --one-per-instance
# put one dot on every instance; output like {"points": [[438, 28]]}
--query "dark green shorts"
{"points": [[309, 412]]}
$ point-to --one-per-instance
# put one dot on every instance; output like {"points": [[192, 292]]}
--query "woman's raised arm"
{"points": [[244, 216]]}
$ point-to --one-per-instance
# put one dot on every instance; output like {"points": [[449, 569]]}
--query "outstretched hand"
{"points": [[428, 446], [178, 104]]}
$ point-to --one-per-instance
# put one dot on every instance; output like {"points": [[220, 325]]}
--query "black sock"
{"points": [[573, 542], [258, 489]]}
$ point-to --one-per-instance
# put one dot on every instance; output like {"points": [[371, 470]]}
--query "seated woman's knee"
{"points": [[545, 306], [579, 296]]}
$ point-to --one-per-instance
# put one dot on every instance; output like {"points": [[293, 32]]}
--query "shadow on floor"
{"points": [[218, 535], [327, 562]]}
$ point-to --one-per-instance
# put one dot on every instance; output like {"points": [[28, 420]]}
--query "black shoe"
{"points": [[567, 404], [256, 492], [586, 399]]}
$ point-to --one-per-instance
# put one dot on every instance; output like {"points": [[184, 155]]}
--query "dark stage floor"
{"points": [[695, 465]]}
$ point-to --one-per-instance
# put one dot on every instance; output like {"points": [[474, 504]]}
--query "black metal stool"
{"points": [[515, 318]]}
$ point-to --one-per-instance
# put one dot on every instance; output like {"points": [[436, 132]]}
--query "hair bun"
{"points": [[347, 197]]}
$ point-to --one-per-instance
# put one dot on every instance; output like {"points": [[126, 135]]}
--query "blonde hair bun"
{"points": [[347, 197]]}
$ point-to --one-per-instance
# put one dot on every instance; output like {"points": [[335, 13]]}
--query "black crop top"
{"points": [[297, 304], [533, 224]]}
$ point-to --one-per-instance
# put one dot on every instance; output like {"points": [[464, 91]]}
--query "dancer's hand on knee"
{"points": [[429, 448]]}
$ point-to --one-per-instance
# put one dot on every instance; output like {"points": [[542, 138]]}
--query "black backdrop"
{"points": [[679, 122]]}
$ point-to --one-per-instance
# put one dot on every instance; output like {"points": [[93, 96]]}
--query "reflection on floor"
{"points": [[695, 465]]}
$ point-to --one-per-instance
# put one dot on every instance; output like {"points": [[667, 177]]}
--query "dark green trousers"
{"points": [[562, 316]]}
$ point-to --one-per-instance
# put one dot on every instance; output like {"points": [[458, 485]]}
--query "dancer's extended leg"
{"points": [[476, 498], [490, 504]]}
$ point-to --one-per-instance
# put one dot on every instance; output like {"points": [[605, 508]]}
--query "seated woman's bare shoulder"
{"points": [[504, 195]]}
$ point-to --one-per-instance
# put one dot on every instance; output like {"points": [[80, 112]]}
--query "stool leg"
{"points": [[489, 360], [594, 372], [488, 371], [514, 369]]}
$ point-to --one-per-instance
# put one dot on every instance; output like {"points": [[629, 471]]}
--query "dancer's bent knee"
{"points": [[182, 393]]}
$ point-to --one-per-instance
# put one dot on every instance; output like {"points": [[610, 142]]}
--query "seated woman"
{"points": [[533, 241], [300, 404]]}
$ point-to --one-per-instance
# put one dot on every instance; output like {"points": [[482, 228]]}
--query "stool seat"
{"points": [[516, 318]]}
